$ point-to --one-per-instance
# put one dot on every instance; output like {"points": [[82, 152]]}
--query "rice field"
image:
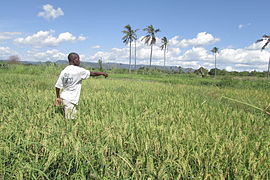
{"points": [[133, 127]]}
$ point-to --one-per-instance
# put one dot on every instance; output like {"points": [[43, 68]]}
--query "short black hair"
{"points": [[72, 56]]}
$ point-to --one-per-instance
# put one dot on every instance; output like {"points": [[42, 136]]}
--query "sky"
{"points": [[48, 30]]}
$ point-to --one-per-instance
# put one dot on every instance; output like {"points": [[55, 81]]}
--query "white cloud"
{"points": [[96, 47], [5, 52], [50, 13], [196, 53], [46, 39], [81, 38], [8, 35], [230, 68], [49, 55], [241, 26], [116, 54], [202, 39]]}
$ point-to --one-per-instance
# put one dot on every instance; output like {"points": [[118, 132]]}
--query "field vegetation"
{"points": [[134, 126]]}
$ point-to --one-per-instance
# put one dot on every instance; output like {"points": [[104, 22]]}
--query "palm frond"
{"points": [[266, 36], [214, 50], [128, 27], [150, 38], [153, 40], [146, 39], [129, 34], [125, 41], [145, 29], [157, 30], [265, 44], [163, 46], [147, 36], [164, 42], [125, 37], [259, 40]]}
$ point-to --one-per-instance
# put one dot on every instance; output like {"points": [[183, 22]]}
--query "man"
{"points": [[70, 80]]}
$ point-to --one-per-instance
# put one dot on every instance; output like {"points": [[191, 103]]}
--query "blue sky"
{"points": [[47, 30]]}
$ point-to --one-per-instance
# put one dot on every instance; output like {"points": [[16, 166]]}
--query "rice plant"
{"points": [[132, 127]]}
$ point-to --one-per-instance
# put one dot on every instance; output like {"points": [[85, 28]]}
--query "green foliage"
{"points": [[218, 72], [100, 64], [201, 71], [4, 66], [227, 82], [133, 126]]}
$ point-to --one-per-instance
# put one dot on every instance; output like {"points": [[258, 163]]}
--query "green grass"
{"points": [[133, 127]]}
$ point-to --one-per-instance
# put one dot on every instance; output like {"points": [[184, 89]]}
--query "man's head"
{"points": [[74, 59]]}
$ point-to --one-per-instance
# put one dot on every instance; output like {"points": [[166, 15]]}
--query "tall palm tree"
{"points": [[136, 38], [164, 46], [267, 38], [129, 36], [215, 51], [150, 38]]}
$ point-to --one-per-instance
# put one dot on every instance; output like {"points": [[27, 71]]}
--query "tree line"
{"points": [[150, 40]]}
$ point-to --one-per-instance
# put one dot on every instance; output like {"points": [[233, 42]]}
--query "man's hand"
{"points": [[58, 102]]}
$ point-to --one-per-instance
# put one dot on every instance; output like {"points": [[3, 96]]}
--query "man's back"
{"points": [[70, 80]]}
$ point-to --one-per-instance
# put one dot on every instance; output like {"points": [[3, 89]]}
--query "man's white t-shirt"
{"points": [[70, 80]]}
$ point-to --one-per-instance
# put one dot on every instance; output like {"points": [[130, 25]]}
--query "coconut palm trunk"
{"points": [[164, 57], [164, 45], [151, 52], [215, 64], [135, 55], [129, 68], [135, 52]]}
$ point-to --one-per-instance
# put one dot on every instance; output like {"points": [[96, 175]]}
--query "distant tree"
{"points": [[189, 70], [164, 46], [150, 38], [129, 36], [100, 64], [267, 39], [215, 51], [201, 71], [214, 71], [234, 73], [243, 73], [181, 70], [14, 60], [223, 72], [49, 63], [217, 71]]}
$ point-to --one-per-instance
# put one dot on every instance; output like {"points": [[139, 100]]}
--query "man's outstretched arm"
{"points": [[99, 74]]}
